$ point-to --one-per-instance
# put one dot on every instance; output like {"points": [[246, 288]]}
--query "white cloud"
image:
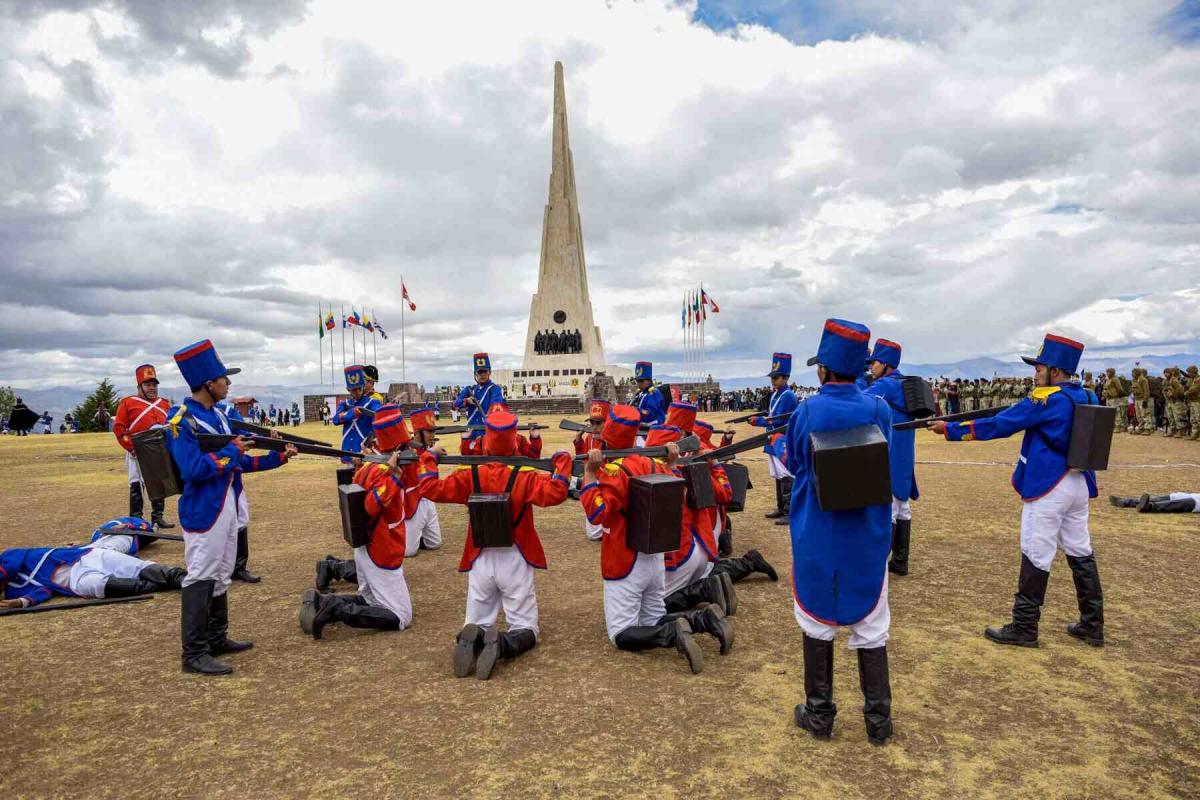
{"points": [[961, 178]]}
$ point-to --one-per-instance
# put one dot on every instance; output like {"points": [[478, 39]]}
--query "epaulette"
{"points": [[173, 422], [383, 467], [1044, 393], [613, 467]]}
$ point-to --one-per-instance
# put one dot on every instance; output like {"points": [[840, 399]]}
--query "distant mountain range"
{"points": [[58, 400]]}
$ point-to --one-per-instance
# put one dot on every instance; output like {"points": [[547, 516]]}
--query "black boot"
{"points": [[785, 486], [738, 569], [157, 507], [194, 607], [318, 610], [135, 500], [706, 590], [901, 534], [1123, 502], [496, 645], [467, 645], [126, 587], [877, 693], [240, 573], [1090, 627], [667, 633], [218, 627], [725, 540], [816, 714], [1027, 608], [710, 620], [162, 579], [1166, 505], [324, 574], [778, 511], [731, 599], [355, 612]]}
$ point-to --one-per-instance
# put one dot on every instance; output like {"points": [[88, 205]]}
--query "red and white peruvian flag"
{"points": [[404, 295]]}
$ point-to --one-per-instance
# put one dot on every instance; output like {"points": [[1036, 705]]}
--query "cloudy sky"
{"points": [[959, 177]]}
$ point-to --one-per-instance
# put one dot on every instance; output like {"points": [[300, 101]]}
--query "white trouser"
{"points": [[1188, 496], [639, 441], [901, 509], [132, 468], [776, 468], [695, 568], [1058, 519], [868, 633], [209, 556], [636, 599], [385, 588], [423, 525], [243, 510], [500, 577], [119, 543], [89, 574]]}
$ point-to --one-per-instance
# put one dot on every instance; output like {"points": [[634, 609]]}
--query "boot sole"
{"points": [[688, 647], [464, 651], [486, 664], [308, 610], [1091, 641], [228, 670], [801, 718], [731, 600]]}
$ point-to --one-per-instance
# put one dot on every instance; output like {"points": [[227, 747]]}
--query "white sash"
{"points": [[149, 407], [29, 579]]}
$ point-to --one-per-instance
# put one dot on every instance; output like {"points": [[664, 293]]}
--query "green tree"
{"points": [[8, 399], [106, 396]]}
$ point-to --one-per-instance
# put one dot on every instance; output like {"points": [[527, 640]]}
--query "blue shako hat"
{"points": [[888, 352], [643, 371], [199, 364], [482, 361], [356, 377], [1058, 351], [843, 347], [781, 364]]}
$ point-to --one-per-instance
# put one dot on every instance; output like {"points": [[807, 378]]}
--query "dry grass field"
{"points": [[94, 704]]}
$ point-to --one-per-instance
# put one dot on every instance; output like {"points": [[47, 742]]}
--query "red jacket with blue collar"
{"points": [[387, 493], [532, 488], [699, 524], [207, 477], [28, 572], [1046, 417]]}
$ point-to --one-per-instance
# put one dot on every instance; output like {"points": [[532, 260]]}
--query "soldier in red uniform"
{"points": [[499, 576], [136, 413], [634, 612], [382, 602], [597, 412]]}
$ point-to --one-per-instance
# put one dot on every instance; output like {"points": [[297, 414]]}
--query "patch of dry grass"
{"points": [[94, 702]]}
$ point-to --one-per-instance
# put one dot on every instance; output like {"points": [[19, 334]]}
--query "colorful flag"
{"points": [[366, 323], [379, 327], [320, 326], [404, 296], [329, 323], [354, 319], [696, 306], [711, 302], [683, 314]]}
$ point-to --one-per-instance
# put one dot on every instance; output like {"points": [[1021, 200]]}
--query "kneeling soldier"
{"points": [[634, 611], [499, 575], [382, 602]]}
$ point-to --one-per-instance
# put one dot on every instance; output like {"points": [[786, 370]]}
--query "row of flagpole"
{"points": [[693, 316], [327, 324]]}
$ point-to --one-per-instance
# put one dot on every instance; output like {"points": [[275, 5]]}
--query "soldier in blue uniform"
{"points": [[887, 382], [1055, 497], [240, 561], [355, 414], [476, 401], [123, 535], [32, 575], [839, 558], [783, 402], [208, 507], [649, 400]]}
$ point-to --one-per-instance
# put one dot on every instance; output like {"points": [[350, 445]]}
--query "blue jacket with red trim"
{"points": [[652, 404], [486, 395], [839, 558], [28, 572], [783, 401], [902, 455], [208, 476], [1046, 418], [356, 426]]}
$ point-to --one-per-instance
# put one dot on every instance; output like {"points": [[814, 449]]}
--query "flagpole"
{"points": [[320, 345], [403, 355], [332, 380], [343, 338], [374, 345]]}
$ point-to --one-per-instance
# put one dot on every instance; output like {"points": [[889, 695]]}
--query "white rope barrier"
{"points": [[1011, 464]]}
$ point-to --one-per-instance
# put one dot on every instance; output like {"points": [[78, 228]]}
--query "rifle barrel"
{"points": [[964, 416], [101, 601]]}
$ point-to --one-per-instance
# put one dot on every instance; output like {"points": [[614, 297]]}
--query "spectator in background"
{"points": [[102, 419], [47, 420]]}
